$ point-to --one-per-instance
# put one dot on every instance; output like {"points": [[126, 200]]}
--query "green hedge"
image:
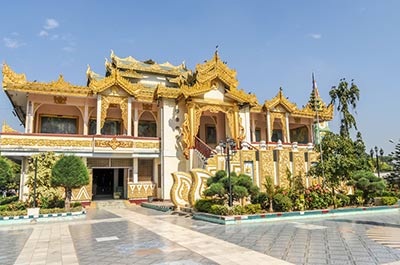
{"points": [[13, 213], [7, 200], [204, 205], [59, 210], [389, 200]]}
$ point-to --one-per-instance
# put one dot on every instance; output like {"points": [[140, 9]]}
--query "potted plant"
{"points": [[117, 195]]}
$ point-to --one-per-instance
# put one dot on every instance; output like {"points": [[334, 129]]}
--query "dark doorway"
{"points": [[103, 183]]}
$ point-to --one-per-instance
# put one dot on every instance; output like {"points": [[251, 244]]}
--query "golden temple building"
{"points": [[142, 122]]}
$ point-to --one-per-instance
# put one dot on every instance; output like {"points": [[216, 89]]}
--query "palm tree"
{"points": [[270, 190], [345, 97]]}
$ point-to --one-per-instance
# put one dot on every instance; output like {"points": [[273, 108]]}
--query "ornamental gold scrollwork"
{"points": [[121, 102], [199, 184], [45, 142], [146, 145], [113, 143], [141, 190], [283, 165], [180, 189], [282, 118], [266, 166]]}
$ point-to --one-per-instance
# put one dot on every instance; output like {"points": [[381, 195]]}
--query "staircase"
{"points": [[203, 153], [104, 204]]}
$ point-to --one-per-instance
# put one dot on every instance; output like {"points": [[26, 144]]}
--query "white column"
{"points": [[98, 117], [135, 170], [269, 127], [135, 122], [86, 119], [129, 133], [29, 117], [253, 130], [287, 128]]}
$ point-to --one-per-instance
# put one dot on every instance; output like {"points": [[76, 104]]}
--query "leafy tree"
{"points": [[6, 172], [361, 155], [242, 186], [339, 160], [44, 190], [69, 172], [270, 190], [394, 177], [345, 97], [367, 182]]}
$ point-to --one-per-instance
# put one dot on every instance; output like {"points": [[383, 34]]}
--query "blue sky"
{"points": [[271, 44]]}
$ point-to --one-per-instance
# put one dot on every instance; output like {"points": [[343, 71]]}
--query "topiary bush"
{"points": [[204, 205], [262, 200], [8, 200], [236, 210], [389, 200], [219, 209], [342, 200], [252, 208], [282, 203]]}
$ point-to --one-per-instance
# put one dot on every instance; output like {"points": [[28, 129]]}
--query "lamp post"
{"points": [[371, 152], [229, 146], [35, 160]]}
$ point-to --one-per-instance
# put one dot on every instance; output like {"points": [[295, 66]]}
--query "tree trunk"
{"points": [[271, 208], [334, 198], [67, 199]]}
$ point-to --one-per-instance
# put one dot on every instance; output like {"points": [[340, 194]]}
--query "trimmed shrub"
{"points": [[219, 209], [262, 200], [389, 200], [8, 200], [236, 210], [282, 203], [13, 213], [342, 200], [204, 205], [252, 208]]}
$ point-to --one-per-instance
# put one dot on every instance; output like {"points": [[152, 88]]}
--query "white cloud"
{"points": [[315, 36], [12, 43], [68, 49], [43, 33], [51, 23]]}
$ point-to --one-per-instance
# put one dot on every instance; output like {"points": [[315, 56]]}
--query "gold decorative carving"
{"points": [[113, 143], [7, 129], [45, 142], [146, 145], [282, 118], [131, 63], [191, 126], [180, 189], [147, 106], [141, 190], [121, 102], [60, 100], [283, 165], [326, 112], [266, 164], [199, 184], [18, 82]]}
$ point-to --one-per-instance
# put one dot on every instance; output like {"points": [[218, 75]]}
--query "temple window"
{"points": [[276, 135], [299, 135], [110, 127], [145, 170], [147, 126], [211, 134], [58, 125], [257, 133]]}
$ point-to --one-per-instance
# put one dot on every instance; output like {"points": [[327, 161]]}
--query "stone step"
{"points": [[110, 204]]}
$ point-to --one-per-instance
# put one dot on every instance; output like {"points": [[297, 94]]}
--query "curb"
{"points": [[4, 218], [162, 208], [266, 217]]}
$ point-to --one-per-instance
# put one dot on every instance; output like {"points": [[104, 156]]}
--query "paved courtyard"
{"points": [[142, 236]]}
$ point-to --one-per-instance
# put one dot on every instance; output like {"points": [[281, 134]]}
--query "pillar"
{"points": [[98, 117], [136, 122], [287, 128], [129, 129], [269, 128]]}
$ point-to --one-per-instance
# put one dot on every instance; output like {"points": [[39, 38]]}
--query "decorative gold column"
{"points": [[129, 121], [98, 115]]}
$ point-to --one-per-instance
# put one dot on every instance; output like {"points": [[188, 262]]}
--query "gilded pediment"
{"points": [[18, 82]]}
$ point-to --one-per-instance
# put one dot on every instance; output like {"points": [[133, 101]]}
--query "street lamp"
{"points": [[35, 177], [371, 152], [229, 146]]}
